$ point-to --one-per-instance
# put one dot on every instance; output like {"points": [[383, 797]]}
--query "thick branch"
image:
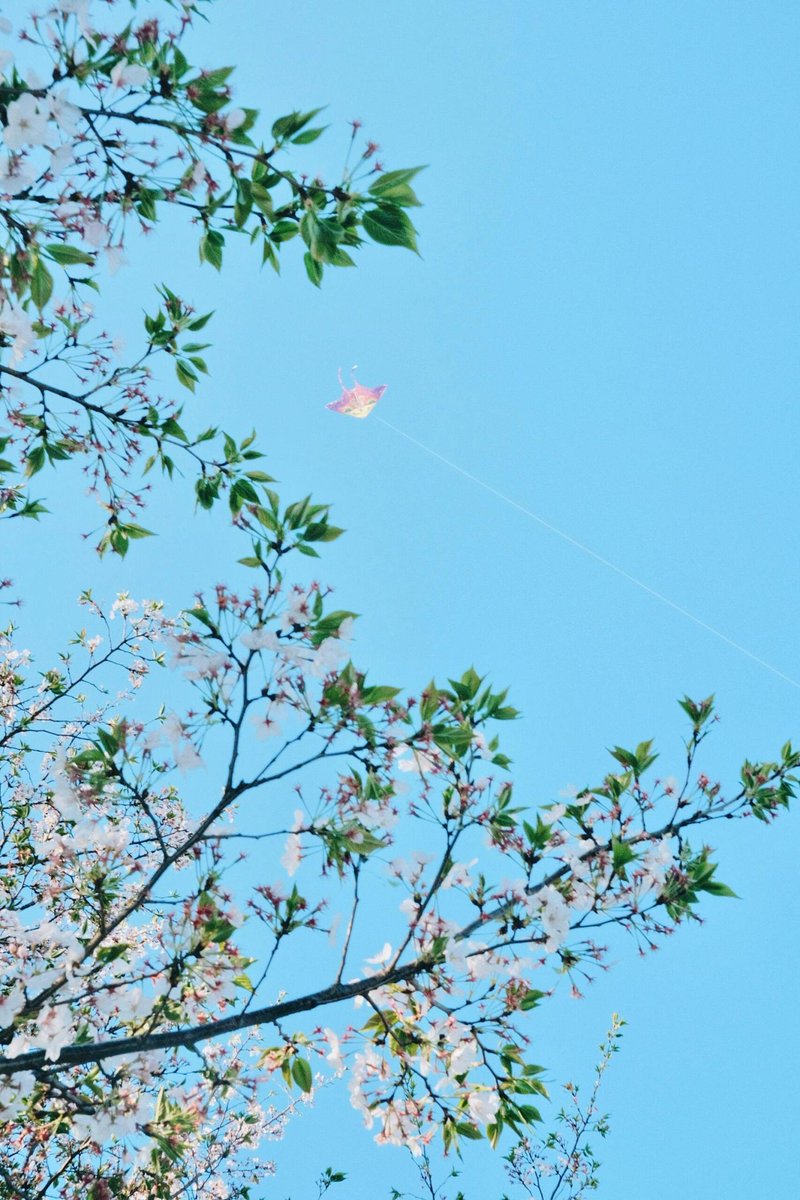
{"points": [[195, 1034]]}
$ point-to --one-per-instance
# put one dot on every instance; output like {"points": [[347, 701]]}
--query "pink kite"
{"points": [[357, 401]]}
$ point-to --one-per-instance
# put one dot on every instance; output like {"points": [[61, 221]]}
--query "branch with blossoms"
{"points": [[180, 953], [107, 129], [562, 1165], [558, 1165]]}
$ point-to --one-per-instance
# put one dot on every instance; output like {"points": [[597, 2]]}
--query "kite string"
{"points": [[645, 587]]}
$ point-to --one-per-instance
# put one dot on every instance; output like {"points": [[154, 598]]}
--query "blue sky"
{"points": [[602, 326]]}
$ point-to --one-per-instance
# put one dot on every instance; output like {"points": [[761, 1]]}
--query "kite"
{"points": [[357, 401]]}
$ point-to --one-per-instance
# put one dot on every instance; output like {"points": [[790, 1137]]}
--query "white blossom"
{"points": [[114, 259], [65, 114], [26, 123], [129, 75], [17, 324], [11, 1004], [234, 119], [95, 233], [334, 1056], [483, 1106], [458, 875], [61, 158], [553, 912], [16, 175], [292, 852]]}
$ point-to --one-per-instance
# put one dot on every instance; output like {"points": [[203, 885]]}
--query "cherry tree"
{"points": [[107, 128], [147, 928], [202, 811]]}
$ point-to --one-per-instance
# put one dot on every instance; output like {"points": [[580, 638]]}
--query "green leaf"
{"points": [[217, 929], [313, 269], [390, 226], [242, 492], [35, 460], [390, 179], [199, 322], [137, 531], [322, 236], [292, 123], [186, 373], [202, 615], [469, 1131], [718, 889], [244, 202], [378, 694], [395, 186], [68, 256], [283, 230], [207, 491], [211, 246], [41, 285], [211, 79], [146, 203], [538, 836], [321, 531], [310, 135], [301, 1074], [262, 197], [118, 541], [171, 428], [622, 854], [107, 954], [341, 258]]}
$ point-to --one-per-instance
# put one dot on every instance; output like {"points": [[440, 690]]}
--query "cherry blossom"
{"points": [[26, 123], [129, 75], [17, 324]]}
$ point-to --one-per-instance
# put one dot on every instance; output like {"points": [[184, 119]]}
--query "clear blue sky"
{"points": [[603, 326]]}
